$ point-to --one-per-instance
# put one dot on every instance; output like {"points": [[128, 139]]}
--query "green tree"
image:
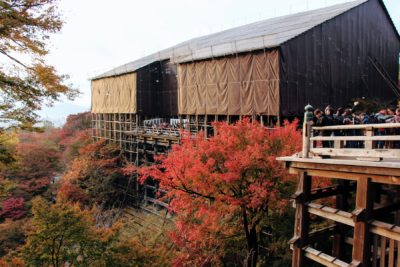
{"points": [[8, 141], [5, 187], [63, 233], [12, 235], [26, 81]]}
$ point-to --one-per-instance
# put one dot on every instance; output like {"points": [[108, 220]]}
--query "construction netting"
{"points": [[114, 94], [246, 84]]}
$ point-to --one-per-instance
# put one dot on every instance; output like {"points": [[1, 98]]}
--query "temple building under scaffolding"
{"points": [[267, 70]]}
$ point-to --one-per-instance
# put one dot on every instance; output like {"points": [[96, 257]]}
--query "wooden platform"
{"points": [[361, 207], [385, 171]]}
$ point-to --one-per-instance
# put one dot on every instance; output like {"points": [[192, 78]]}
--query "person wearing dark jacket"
{"points": [[320, 120]]}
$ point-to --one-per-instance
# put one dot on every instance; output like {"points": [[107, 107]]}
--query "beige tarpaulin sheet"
{"points": [[241, 85], [114, 94]]}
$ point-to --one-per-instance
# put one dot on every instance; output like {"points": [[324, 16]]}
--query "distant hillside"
{"points": [[60, 111]]}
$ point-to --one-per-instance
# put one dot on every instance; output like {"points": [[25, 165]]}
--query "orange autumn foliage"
{"points": [[93, 176], [223, 188]]}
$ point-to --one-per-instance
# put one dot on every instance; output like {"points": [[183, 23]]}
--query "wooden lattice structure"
{"points": [[140, 142], [354, 221]]}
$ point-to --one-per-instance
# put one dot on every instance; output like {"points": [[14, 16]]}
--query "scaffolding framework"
{"points": [[140, 143]]}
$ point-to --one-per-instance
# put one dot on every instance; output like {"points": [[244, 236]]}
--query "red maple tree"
{"points": [[75, 134], [95, 176], [13, 208], [223, 188]]}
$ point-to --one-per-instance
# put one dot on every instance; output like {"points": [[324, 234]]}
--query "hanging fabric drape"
{"points": [[114, 94], [246, 84]]}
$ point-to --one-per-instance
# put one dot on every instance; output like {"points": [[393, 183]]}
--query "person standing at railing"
{"points": [[359, 117], [320, 120], [395, 119], [391, 111], [330, 120], [349, 119], [381, 117], [338, 117]]}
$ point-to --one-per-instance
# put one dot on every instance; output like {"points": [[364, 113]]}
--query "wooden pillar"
{"points": [[301, 227], [362, 242], [397, 215], [341, 204], [306, 139]]}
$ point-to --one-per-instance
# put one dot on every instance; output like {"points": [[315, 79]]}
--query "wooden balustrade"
{"points": [[385, 245], [360, 160], [370, 141]]}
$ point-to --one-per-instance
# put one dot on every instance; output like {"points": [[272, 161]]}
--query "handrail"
{"points": [[387, 230], [358, 126], [361, 141], [158, 131], [357, 138]]}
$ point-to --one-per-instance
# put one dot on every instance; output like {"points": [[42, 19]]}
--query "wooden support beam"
{"points": [[301, 227], [331, 214], [390, 231], [332, 191], [321, 233], [324, 259], [339, 237], [376, 178], [376, 213], [362, 244]]}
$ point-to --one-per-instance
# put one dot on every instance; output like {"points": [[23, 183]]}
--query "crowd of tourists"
{"points": [[356, 115]]}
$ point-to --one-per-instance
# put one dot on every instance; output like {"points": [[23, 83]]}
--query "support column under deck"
{"points": [[301, 227], [362, 240]]}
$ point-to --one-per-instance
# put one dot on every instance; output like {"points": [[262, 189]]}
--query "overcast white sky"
{"points": [[101, 34]]}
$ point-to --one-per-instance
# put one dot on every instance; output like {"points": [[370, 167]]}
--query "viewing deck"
{"points": [[355, 220]]}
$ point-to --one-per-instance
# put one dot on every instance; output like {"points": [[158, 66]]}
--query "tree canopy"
{"points": [[224, 189], [26, 81], [64, 234]]}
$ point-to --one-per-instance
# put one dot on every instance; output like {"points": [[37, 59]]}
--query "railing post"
{"points": [[369, 133], [306, 139], [308, 116]]}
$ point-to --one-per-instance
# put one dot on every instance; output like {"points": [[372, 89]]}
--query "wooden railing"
{"points": [[370, 141], [168, 131], [386, 244]]}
